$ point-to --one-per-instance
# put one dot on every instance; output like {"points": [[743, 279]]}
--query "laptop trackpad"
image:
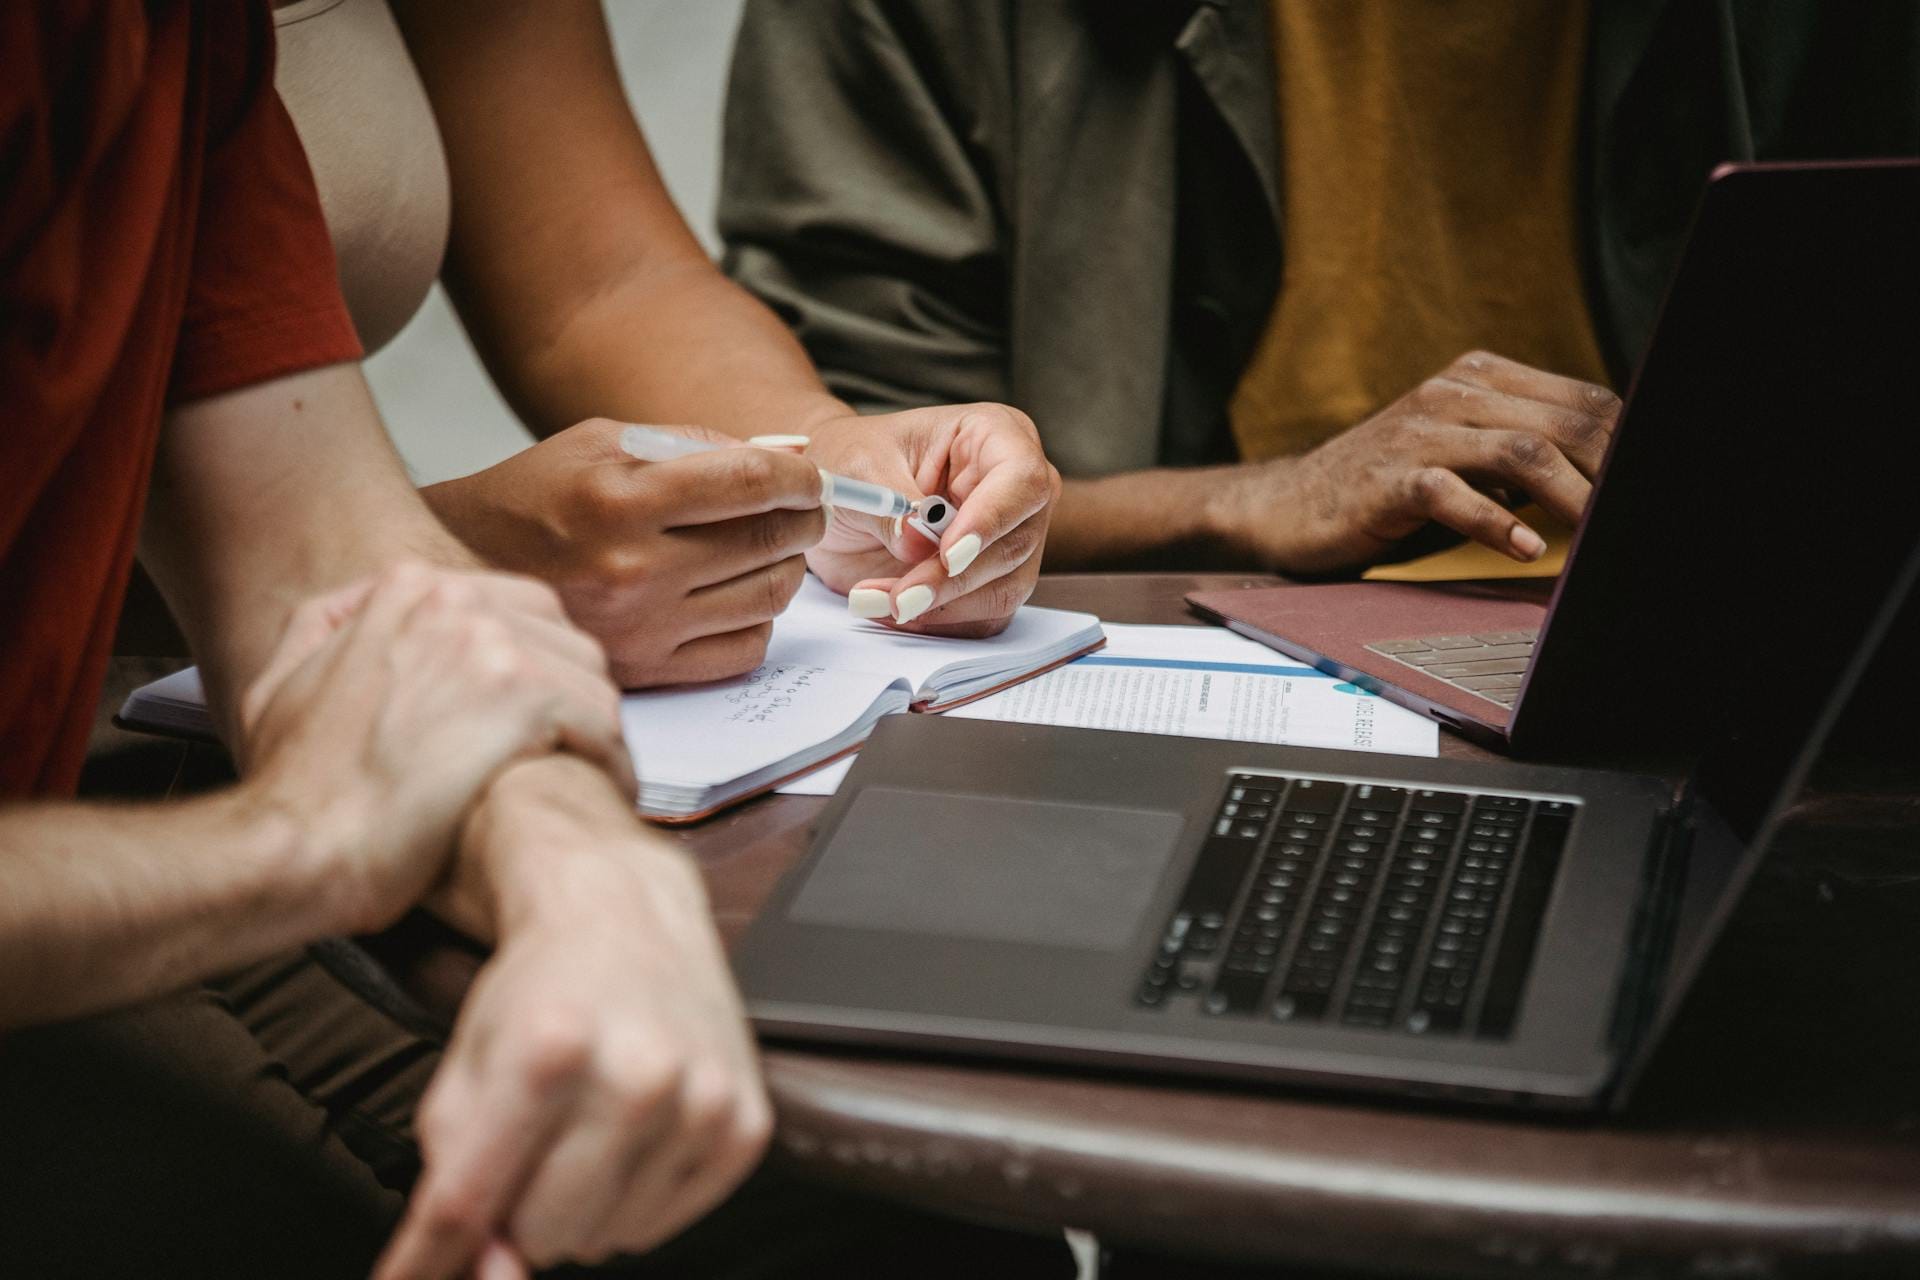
{"points": [[969, 866]]}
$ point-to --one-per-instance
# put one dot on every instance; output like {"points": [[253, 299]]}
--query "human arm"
{"points": [[383, 713], [1443, 454], [588, 295], [284, 490], [866, 196]]}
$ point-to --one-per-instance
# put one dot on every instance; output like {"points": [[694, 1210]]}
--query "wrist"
{"points": [[465, 510], [552, 839], [815, 410], [298, 860], [1244, 511]]}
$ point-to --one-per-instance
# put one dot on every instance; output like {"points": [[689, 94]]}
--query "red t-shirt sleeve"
{"points": [[264, 299]]}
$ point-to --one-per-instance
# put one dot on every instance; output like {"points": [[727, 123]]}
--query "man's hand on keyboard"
{"points": [[1454, 451]]}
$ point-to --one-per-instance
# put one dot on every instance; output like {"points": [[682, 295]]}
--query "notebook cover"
{"points": [[930, 707], [926, 708]]}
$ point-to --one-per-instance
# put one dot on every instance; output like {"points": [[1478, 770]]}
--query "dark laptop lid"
{"points": [[1745, 785], [1758, 496]]}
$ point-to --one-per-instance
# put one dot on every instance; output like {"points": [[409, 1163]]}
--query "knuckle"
{"points": [[404, 577], [639, 1090], [619, 566], [1427, 487], [769, 537], [752, 473], [455, 1211], [1006, 595], [1525, 451], [707, 1099], [605, 493], [434, 1117], [449, 594], [748, 651], [1022, 542], [557, 1050], [1477, 360], [1600, 400], [738, 653], [1580, 429], [753, 1126], [783, 583]]}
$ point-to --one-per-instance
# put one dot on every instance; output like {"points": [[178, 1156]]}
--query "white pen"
{"points": [[650, 445]]}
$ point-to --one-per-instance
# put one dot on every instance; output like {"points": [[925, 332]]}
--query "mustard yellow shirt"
{"points": [[1427, 159]]}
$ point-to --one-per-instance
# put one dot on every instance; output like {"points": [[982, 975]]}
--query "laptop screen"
{"points": [[1757, 502], [1773, 428]]}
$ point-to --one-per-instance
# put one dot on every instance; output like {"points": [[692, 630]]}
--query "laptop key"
{"points": [[1489, 667], [1398, 646], [1507, 637], [1481, 684], [1217, 875], [1300, 1006], [1438, 802], [1432, 657], [1315, 796], [1539, 864], [1235, 993]]}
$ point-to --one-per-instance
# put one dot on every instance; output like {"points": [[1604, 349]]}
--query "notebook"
{"points": [[826, 681]]}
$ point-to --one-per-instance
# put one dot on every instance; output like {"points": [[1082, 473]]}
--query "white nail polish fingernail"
{"points": [[961, 554], [912, 603], [869, 602], [779, 442]]}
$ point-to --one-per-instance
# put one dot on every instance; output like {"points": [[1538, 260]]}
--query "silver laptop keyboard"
{"points": [[1488, 665]]}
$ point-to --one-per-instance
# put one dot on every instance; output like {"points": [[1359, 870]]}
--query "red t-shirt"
{"points": [[160, 241]]}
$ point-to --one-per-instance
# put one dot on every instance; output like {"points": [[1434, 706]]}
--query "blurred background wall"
{"points": [[443, 412]]}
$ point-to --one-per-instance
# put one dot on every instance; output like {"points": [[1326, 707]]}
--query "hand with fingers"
{"points": [[987, 458], [1457, 450], [600, 1091], [389, 706], [679, 568]]}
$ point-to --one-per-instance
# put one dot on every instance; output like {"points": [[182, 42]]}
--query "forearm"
{"points": [[1143, 519], [271, 495], [582, 286], [552, 840], [103, 906], [673, 342], [266, 496]]}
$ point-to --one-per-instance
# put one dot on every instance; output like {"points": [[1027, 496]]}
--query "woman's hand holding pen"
{"points": [[987, 458], [678, 568]]}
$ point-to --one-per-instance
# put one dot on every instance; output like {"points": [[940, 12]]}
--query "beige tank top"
{"points": [[370, 136]]}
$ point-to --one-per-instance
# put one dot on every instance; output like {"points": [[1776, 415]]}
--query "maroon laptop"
{"points": [[1753, 505]]}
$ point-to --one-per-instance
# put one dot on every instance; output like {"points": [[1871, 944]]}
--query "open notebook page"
{"points": [[817, 631], [1200, 682], [701, 746]]}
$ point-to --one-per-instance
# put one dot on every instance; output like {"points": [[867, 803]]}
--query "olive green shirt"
{"points": [[1075, 206]]}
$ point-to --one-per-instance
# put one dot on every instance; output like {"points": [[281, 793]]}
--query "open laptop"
{"points": [[1488, 931], [1762, 470]]}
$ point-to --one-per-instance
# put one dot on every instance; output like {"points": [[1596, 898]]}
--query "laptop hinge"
{"points": [[1650, 947]]}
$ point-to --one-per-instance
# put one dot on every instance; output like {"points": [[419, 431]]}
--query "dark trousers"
{"points": [[259, 1126]]}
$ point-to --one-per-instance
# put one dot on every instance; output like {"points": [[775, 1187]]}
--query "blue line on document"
{"points": [[1097, 660]]}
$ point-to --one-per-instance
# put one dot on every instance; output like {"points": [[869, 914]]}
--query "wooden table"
{"points": [[1778, 1132]]}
